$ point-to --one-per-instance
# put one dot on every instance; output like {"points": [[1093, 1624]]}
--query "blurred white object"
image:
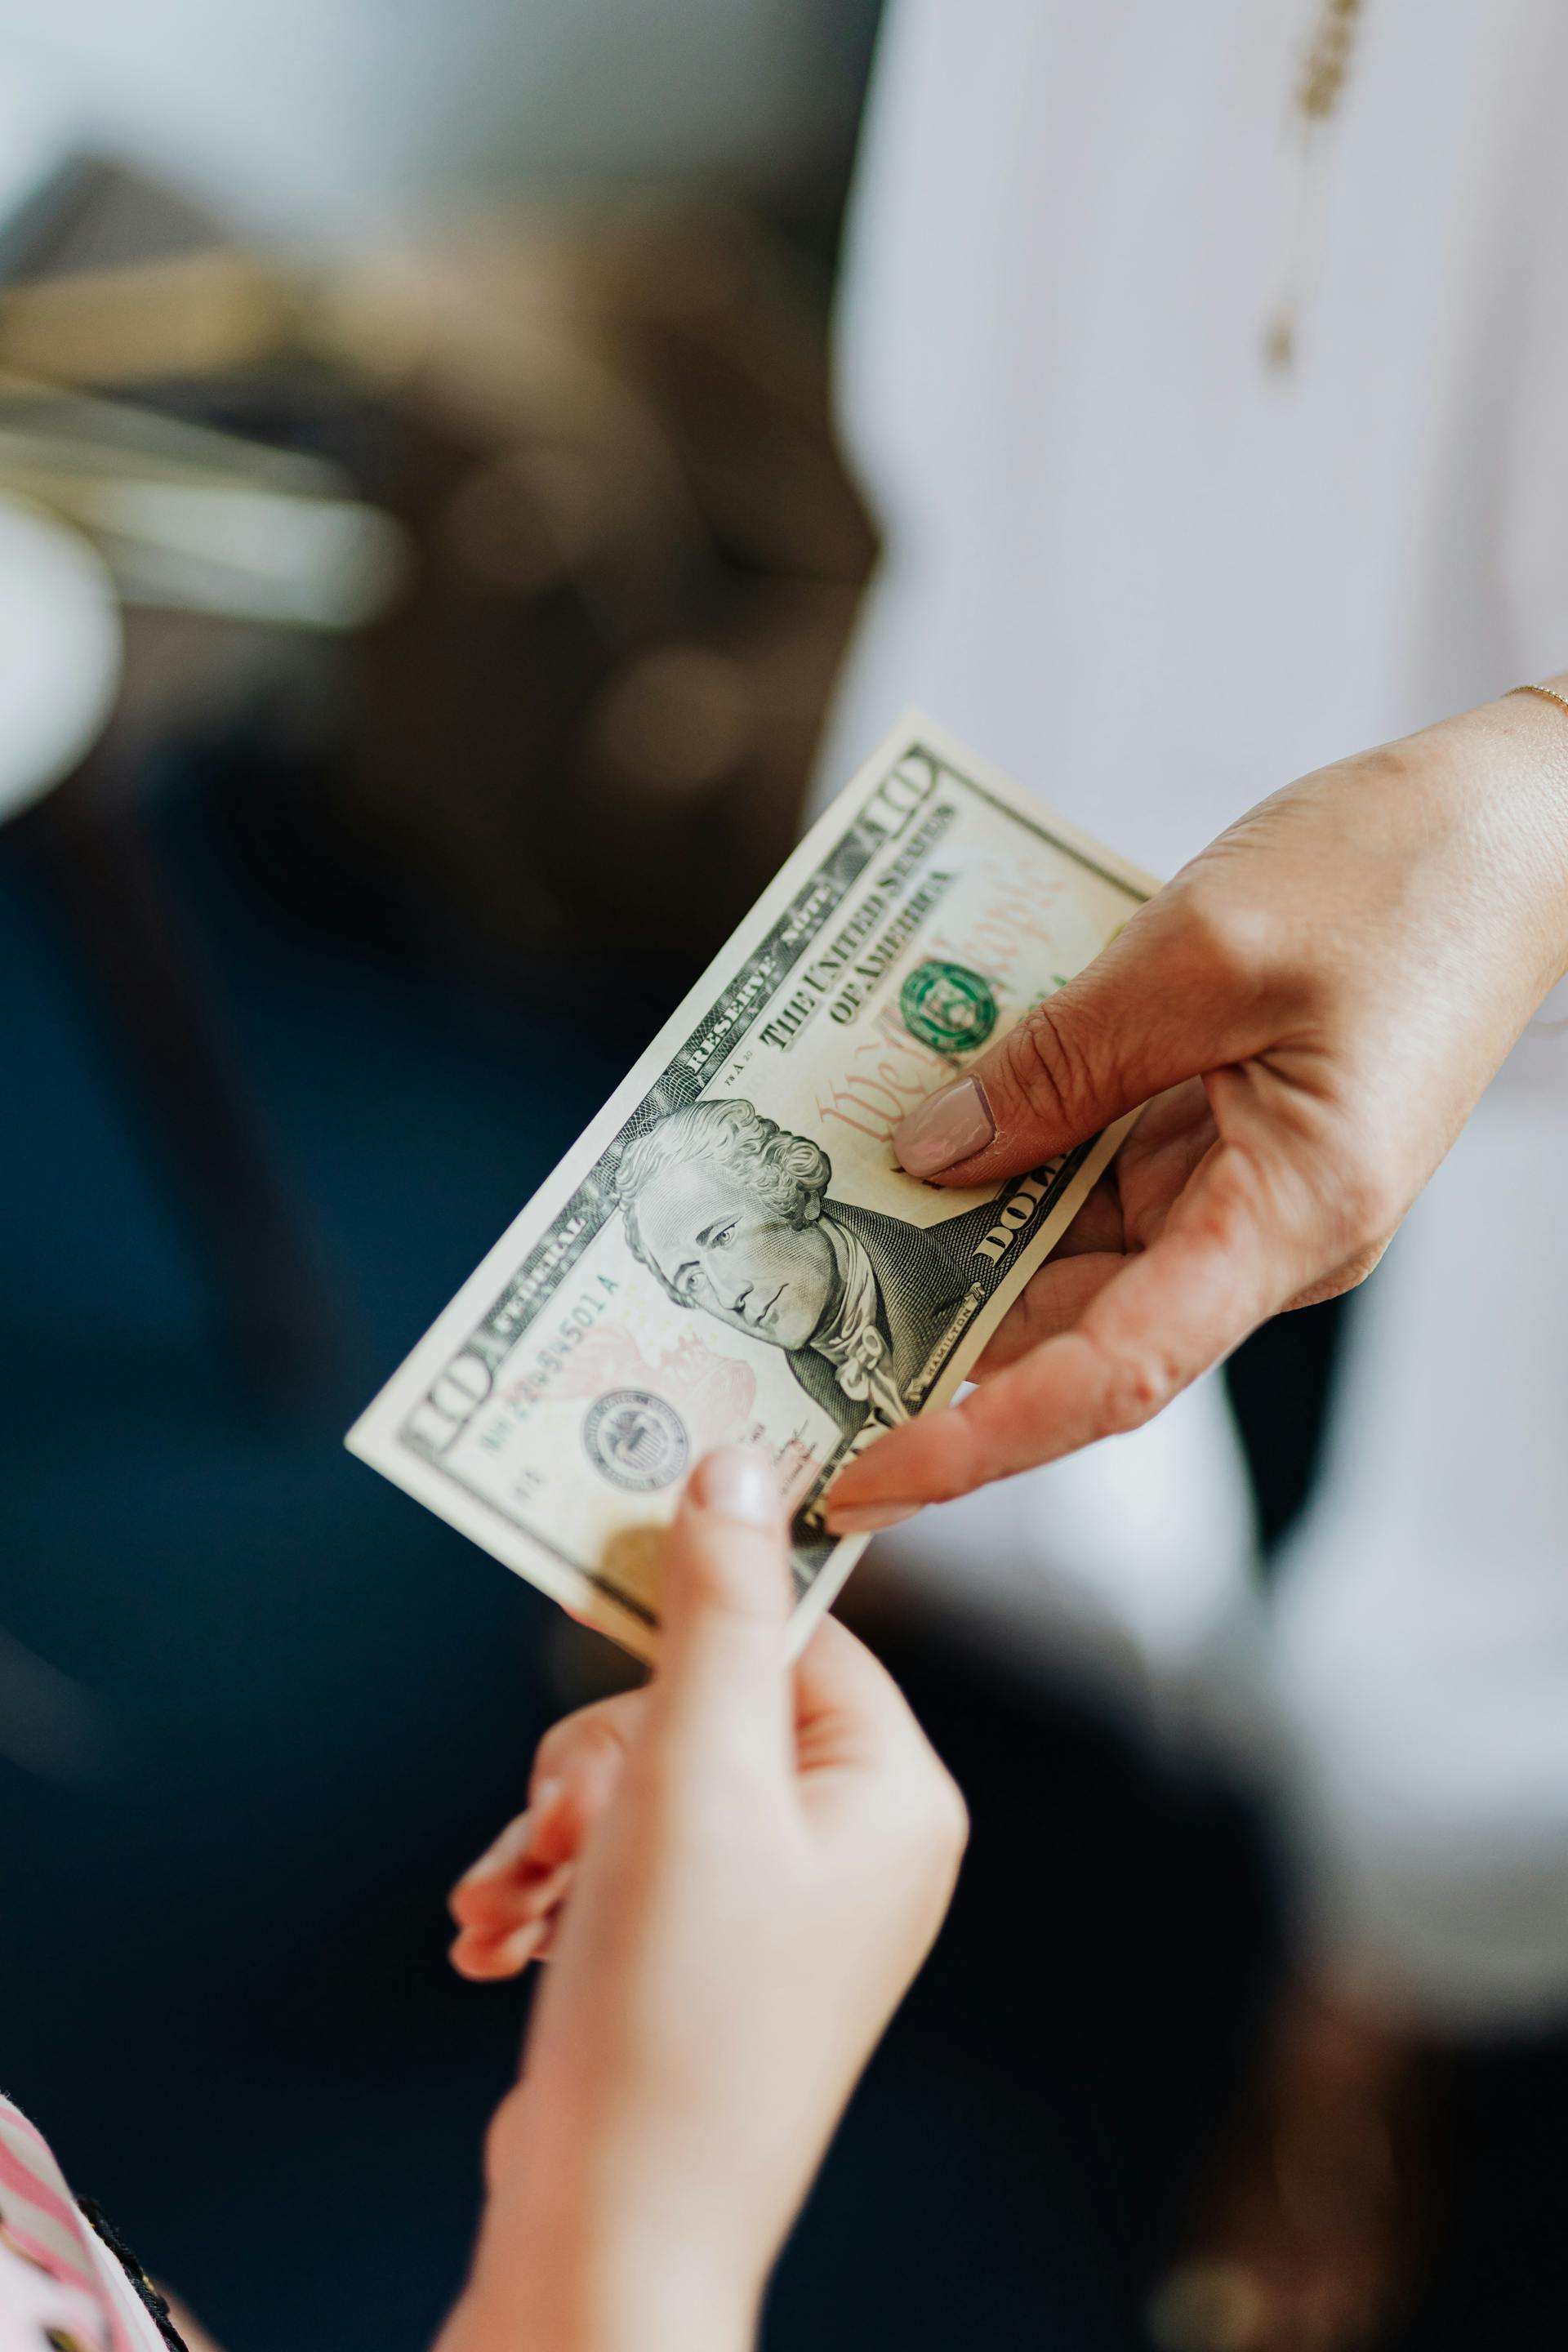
{"points": [[317, 563], [1159, 578], [194, 521], [1128, 1564], [61, 651]]}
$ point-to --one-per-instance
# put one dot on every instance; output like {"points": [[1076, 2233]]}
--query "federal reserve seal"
{"points": [[947, 1007], [635, 1440]]}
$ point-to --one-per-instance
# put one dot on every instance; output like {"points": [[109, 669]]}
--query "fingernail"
{"points": [[474, 1957], [515, 1951], [739, 1483], [485, 1961], [948, 1126], [868, 1518], [548, 1893]]}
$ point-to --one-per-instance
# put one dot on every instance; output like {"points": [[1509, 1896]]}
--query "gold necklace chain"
{"points": [[1327, 59], [1324, 69]]}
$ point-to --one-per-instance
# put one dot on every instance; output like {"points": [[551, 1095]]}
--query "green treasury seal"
{"points": [[635, 1440], [948, 1006]]}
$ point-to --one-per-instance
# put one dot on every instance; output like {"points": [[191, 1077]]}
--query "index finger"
{"points": [[847, 1708], [857, 1740]]}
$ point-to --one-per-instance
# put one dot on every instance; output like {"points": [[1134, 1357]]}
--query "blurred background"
{"points": [[425, 564]]}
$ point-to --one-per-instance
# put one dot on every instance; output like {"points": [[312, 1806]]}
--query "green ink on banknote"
{"points": [[947, 1007]]}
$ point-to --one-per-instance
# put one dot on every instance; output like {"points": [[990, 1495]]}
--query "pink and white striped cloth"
{"points": [[61, 2290]]}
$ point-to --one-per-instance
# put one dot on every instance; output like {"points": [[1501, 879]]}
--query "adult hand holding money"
{"points": [[734, 1252], [1310, 1009]]}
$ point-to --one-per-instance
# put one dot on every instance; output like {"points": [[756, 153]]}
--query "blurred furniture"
{"points": [[597, 712], [59, 625], [636, 553], [531, 549], [154, 576]]}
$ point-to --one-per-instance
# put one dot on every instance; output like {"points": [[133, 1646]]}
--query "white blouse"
{"points": [[1157, 578], [1138, 566]]}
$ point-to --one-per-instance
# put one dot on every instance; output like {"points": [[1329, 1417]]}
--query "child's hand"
{"points": [[507, 1902], [763, 1855]]}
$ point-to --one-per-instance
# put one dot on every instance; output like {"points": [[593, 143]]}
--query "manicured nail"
{"points": [[868, 1518], [739, 1483], [950, 1126]]}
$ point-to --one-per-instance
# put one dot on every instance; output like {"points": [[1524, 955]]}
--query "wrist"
{"points": [[522, 2298], [586, 2244], [1508, 774], [1533, 721], [571, 2257]]}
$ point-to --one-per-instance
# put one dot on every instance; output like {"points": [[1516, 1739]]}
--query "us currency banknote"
{"points": [[732, 1252]]}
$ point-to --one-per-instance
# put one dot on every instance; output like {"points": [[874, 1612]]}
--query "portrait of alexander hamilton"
{"points": [[732, 1214]]}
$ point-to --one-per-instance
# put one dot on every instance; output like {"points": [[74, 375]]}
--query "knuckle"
{"points": [[1230, 940], [1136, 1387], [949, 1819], [1365, 1211], [575, 1740], [735, 1574], [1042, 1065], [558, 1744], [949, 1483], [1354, 1271], [935, 1816], [1349, 1275], [930, 1833]]}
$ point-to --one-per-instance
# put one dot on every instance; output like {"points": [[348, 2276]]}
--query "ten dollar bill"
{"points": [[731, 1252]]}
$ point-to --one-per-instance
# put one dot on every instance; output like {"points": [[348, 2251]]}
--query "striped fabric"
{"points": [[61, 2289]]}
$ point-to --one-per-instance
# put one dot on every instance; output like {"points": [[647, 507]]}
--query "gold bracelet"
{"points": [[1547, 693]]}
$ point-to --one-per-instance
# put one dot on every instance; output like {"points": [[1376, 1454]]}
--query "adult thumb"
{"points": [[725, 1595], [1150, 1011]]}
